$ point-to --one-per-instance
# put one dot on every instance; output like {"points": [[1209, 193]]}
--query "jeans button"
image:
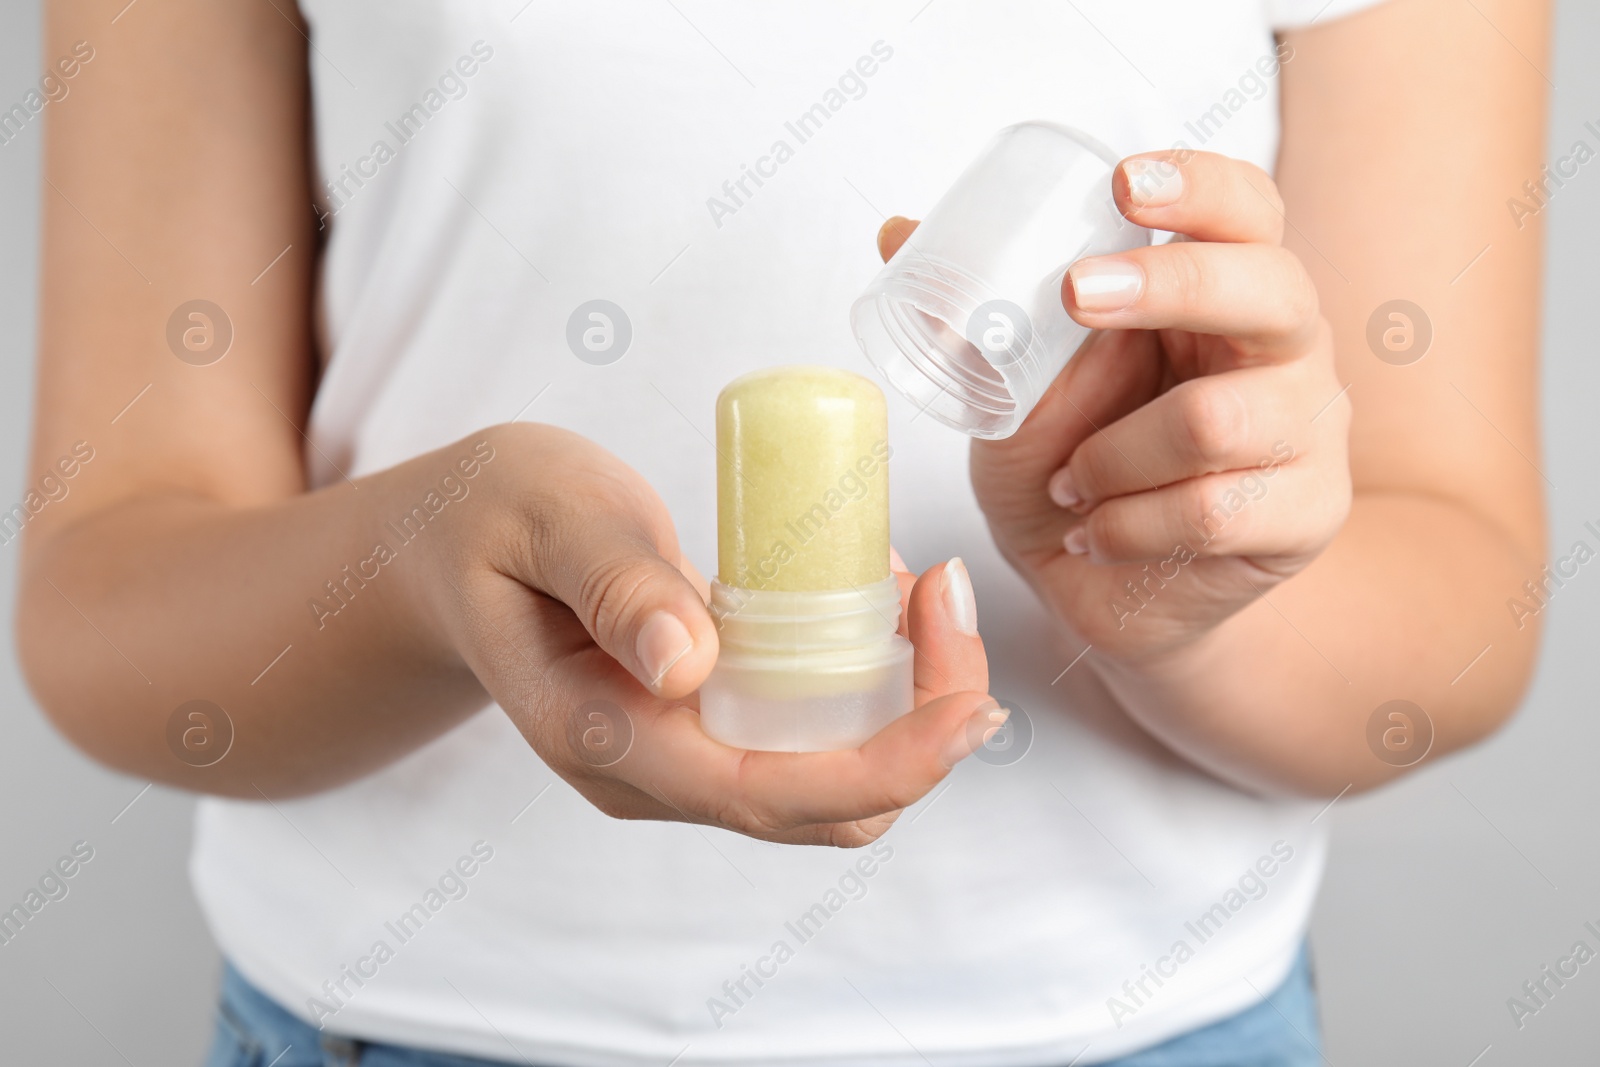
{"points": [[341, 1052]]}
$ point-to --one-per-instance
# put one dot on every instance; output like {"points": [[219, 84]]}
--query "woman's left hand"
{"points": [[1194, 453]]}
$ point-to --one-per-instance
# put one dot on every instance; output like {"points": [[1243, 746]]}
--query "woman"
{"points": [[318, 289]]}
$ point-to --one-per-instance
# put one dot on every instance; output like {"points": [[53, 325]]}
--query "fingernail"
{"points": [[663, 641], [974, 733], [896, 563], [1153, 182], [1062, 492], [1077, 540], [1105, 283], [959, 603]]}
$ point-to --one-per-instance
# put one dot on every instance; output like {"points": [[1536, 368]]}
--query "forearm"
{"points": [[316, 643], [1400, 606]]}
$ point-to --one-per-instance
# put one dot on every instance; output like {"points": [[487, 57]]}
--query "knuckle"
{"points": [[1316, 527], [753, 822], [512, 436], [608, 796], [1338, 501], [734, 813], [555, 523], [1300, 303], [539, 520], [609, 595], [739, 809], [895, 796], [614, 808], [1266, 185], [1213, 419], [1108, 531], [850, 834], [1263, 181], [1130, 530], [1088, 466], [742, 820], [1204, 506], [1265, 189], [1185, 274]]}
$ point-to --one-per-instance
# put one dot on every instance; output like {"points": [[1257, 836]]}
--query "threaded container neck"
{"points": [[766, 622]]}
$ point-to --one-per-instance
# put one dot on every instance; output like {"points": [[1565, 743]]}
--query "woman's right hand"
{"points": [[566, 594]]}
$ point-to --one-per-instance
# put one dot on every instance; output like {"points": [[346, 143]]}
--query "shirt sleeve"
{"points": [[1291, 14]]}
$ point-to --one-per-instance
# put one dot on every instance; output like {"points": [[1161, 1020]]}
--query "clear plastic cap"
{"points": [[966, 319]]}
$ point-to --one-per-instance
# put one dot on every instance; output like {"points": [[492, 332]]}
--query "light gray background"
{"points": [[1444, 892]]}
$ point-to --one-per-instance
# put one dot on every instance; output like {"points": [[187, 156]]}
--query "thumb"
{"points": [[612, 571]]}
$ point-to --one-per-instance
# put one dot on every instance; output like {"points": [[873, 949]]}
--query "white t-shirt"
{"points": [[492, 167]]}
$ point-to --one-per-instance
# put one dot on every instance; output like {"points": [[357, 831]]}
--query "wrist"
{"points": [[432, 516]]}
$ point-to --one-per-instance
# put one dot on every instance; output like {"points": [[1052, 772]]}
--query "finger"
{"points": [[1220, 422], [1257, 294], [893, 233], [1202, 195], [766, 794], [1283, 511], [591, 721], [576, 705], [607, 560], [1111, 375], [943, 626], [906, 580], [637, 756]]}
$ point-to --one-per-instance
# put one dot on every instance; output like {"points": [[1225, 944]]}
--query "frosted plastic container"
{"points": [[806, 671], [966, 319]]}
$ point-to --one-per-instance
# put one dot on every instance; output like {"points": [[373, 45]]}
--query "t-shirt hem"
{"points": [[406, 1031]]}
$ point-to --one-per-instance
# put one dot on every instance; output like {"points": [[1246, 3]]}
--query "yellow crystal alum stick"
{"points": [[804, 601], [802, 481]]}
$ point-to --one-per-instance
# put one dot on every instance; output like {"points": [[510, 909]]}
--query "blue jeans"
{"points": [[254, 1031], [1281, 1031]]}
